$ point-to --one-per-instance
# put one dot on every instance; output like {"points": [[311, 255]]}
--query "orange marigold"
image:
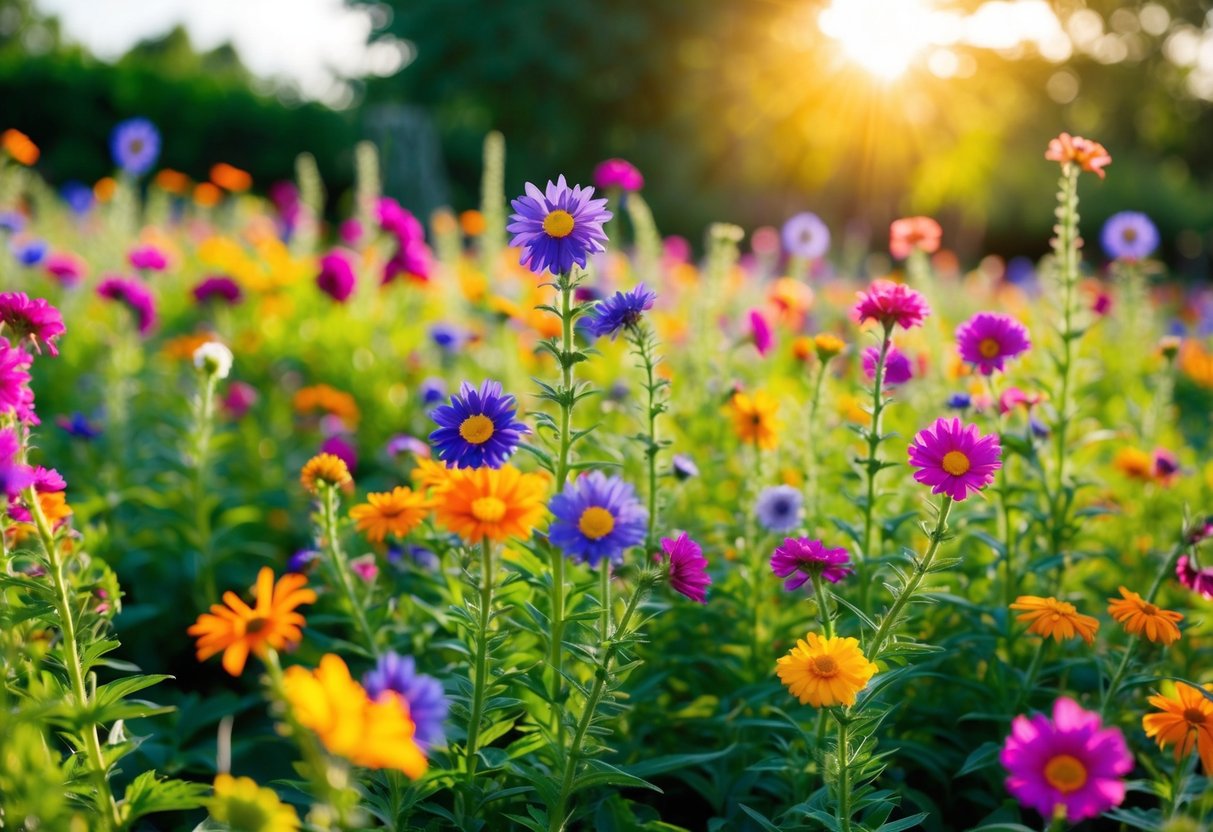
{"points": [[1140, 616], [497, 503], [19, 146], [1059, 620], [1134, 463], [326, 399], [396, 512], [324, 469], [1186, 721], [754, 418], [429, 473]]}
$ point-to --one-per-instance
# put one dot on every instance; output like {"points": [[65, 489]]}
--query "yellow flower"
{"points": [[497, 503], [828, 345], [1050, 618], [825, 671], [246, 807], [236, 628], [397, 512], [1186, 721], [1134, 463], [371, 734], [324, 469], [1138, 616], [754, 418]]}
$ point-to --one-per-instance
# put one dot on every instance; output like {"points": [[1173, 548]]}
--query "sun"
{"points": [[882, 36]]}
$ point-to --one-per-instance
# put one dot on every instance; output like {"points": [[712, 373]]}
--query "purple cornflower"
{"points": [[683, 467], [447, 337], [897, 368], [801, 558], [987, 340], [597, 517], [135, 297], [558, 227], [806, 236], [618, 173], [78, 425], [954, 459], [33, 320], [688, 568], [135, 145], [477, 429], [336, 277], [78, 196], [619, 312], [779, 508], [423, 694], [218, 287], [1129, 235], [959, 401], [433, 390], [29, 252]]}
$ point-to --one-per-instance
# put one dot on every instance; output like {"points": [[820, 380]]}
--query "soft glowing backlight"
{"points": [[882, 36]]}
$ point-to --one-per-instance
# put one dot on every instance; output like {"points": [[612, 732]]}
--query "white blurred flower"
{"points": [[214, 359]]}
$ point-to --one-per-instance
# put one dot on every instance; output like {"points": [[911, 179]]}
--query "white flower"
{"points": [[214, 359]]}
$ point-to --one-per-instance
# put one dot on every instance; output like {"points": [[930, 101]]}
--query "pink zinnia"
{"points": [[238, 399], [218, 287], [803, 558], [954, 458], [910, 233], [351, 231], [1013, 397], [1193, 577], [66, 268], [34, 320], [135, 296], [1089, 155], [897, 368], [987, 340], [365, 568], [336, 278], [618, 173], [891, 304], [14, 378], [688, 573], [760, 331], [148, 258], [1070, 764], [397, 221], [412, 260]]}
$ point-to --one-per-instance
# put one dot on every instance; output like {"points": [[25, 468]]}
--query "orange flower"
{"points": [[397, 512], [828, 345], [231, 178], [236, 629], [803, 348], [473, 223], [911, 233], [105, 188], [1134, 463], [1196, 362], [497, 503], [429, 474], [183, 347], [1089, 155], [1050, 618], [172, 181], [1186, 720], [1138, 616], [54, 507], [329, 400], [19, 146], [207, 195], [324, 469], [754, 418]]}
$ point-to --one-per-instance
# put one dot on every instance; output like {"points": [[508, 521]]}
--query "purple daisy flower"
{"points": [[433, 390], [987, 340], [597, 517], [1069, 764], [218, 287], [447, 337], [1129, 235], [806, 236], [688, 573], [135, 145], [779, 507], [33, 320], [619, 312], [954, 458], [897, 368], [423, 694], [557, 227], [799, 559], [891, 304], [135, 296], [336, 278], [477, 429]]}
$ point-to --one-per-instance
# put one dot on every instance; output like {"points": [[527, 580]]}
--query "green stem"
{"points": [[921, 568], [604, 624], [204, 412], [1030, 677], [1118, 675], [844, 777], [1168, 568], [810, 462], [644, 350], [871, 464], [480, 682], [556, 654], [823, 606], [341, 568]]}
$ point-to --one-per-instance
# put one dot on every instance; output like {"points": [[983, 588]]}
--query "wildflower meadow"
{"points": [[528, 517]]}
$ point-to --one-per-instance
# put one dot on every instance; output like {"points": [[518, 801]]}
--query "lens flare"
{"points": [[882, 36]]}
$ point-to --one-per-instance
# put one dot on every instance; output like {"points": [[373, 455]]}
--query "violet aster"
{"points": [[336, 277], [891, 304], [620, 311], [683, 467], [558, 227], [954, 458], [779, 507], [1069, 764], [1129, 235], [426, 701], [805, 235], [897, 368], [135, 145], [432, 390], [477, 429], [688, 568], [134, 296], [801, 558], [32, 319], [988, 339], [217, 288], [597, 517]]}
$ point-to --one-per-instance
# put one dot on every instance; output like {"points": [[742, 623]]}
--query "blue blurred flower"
{"points": [[78, 425], [620, 311], [1129, 235], [960, 401], [447, 337], [30, 252], [421, 556], [779, 508], [433, 390], [477, 428], [78, 196], [597, 517], [11, 221], [302, 561], [135, 145], [426, 701], [684, 467], [806, 236]]}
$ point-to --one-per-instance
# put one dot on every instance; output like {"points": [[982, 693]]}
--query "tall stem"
{"points": [[340, 567], [810, 461], [204, 414], [844, 776], [871, 464], [567, 393], [480, 682], [823, 606]]}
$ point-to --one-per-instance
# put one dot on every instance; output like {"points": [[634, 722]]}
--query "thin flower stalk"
{"points": [[812, 448], [200, 440], [340, 568], [872, 465], [481, 670]]}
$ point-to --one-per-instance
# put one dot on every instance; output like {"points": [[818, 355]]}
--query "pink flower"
{"points": [[15, 362], [135, 296], [33, 320], [148, 258], [1091, 156], [760, 332], [987, 340], [13, 475], [618, 173], [688, 572], [336, 278], [1013, 397], [412, 260], [217, 287], [803, 558], [351, 232], [1070, 764], [365, 568], [954, 459], [1166, 466], [897, 368], [397, 221], [910, 233], [1193, 577], [65, 268], [238, 399], [342, 449], [891, 304]]}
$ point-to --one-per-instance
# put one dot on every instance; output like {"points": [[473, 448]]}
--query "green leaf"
{"points": [[908, 822], [759, 818], [605, 774], [146, 795], [670, 762], [984, 755]]}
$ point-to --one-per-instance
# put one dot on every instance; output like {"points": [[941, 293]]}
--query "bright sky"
{"points": [[310, 42]]}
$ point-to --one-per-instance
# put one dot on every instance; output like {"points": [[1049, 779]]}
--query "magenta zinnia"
{"points": [[954, 458], [987, 340], [32, 320], [891, 304], [1070, 764], [799, 559], [688, 572]]}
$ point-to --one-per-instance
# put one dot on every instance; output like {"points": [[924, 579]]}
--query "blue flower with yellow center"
{"points": [[558, 226], [597, 517], [477, 429]]}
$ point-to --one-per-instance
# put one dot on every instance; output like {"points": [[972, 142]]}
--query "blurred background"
{"points": [[738, 110]]}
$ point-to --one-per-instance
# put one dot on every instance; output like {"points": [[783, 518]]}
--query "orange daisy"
{"points": [[1050, 618], [429, 473], [324, 469], [754, 418], [497, 503], [1185, 720], [1139, 615], [397, 512], [236, 629]]}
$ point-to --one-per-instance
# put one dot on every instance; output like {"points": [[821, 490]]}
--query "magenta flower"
{"points": [[897, 368], [1166, 466], [760, 332], [34, 320], [954, 459], [65, 268], [340, 447], [398, 221], [351, 232], [148, 258], [238, 399], [1069, 764], [135, 297], [688, 572], [412, 260], [618, 173], [799, 559], [891, 304], [13, 475], [1195, 578], [987, 340], [336, 278], [217, 287], [15, 395]]}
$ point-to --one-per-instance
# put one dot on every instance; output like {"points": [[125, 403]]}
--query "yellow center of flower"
{"points": [[1065, 773], [956, 463], [988, 348], [825, 666], [558, 224], [596, 522], [1194, 716], [488, 509], [477, 429]]}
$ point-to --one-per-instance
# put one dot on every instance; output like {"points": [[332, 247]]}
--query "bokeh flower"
{"points": [[336, 278], [909, 234], [597, 517], [688, 568], [213, 359], [427, 704], [558, 227], [683, 467], [1185, 721], [395, 512], [618, 173], [1134, 463], [236, 629], [804, 235], [754, 418], [891, 304], [779, 508], [1088, 155], [497, 503], [897, 367], [135, 297], [324, 470], [135, 145], [217, 288], [1069, 764], [243, 806], [19, 146], [987, 340], [1140, 617], [14, 475], [620, 311], [478, 427], [1059, 620], [14, 378], [33, 320], [760, 332], [954, 458], [147, 258], [1129, 235], [802, 558], [823, 672], [1190, 574]]}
